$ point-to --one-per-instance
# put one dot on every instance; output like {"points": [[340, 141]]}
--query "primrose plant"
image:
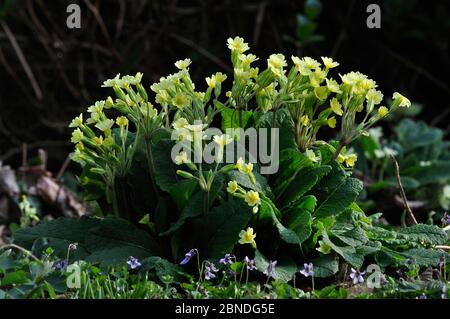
{"points": [[144, 158]]}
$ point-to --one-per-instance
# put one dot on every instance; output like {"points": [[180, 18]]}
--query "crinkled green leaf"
{"points": [[426, 234]]}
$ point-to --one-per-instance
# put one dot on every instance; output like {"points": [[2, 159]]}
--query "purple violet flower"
{"points": [[227, 259], [250, 263], [357, 276], [410, 261], [210, 269], [270, 271], [191, 253], [60, 265], [422, 296], [133, 262], [446, 219], [308, 270]]}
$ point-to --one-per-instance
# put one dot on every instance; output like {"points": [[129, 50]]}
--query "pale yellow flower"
{"points": [[331, 122], [311, 63], [247, 237], [77, 122], [237, 44], [336, 107], [181, 100], [181, 158], [312, 156], [350, 160], [252, 198], [374, 96], [248, 59], [220, 77], [329, 63], [247, 168], [162, 97], [333, 86], [183, 64], [383, 110], [304, 120], [401, 100], [180, 123], [77, 136], [122, 121], [232, 187], [222, 140], [275, 63], [211, 81], [240, 163]]}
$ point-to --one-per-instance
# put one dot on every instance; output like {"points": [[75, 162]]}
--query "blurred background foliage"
{"points": [[50, 73]]}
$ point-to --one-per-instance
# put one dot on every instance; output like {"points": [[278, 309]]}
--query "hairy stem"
{"points": [[151, 166]]}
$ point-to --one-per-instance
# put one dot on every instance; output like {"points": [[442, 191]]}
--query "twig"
{"points": [[201, 50], [23, 61], [258, 23], [63, 168], [442, 247], [24, 158], [26, 252], [402, 192], [410, 64]]}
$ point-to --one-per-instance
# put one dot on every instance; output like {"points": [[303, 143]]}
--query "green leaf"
{"points": [[287, 235], [114, 240], [340, 198], [426, 234], [107, 241], [165, 168], [15, 278], [284, 122], [413, 135], [60, 232], [298, 218], [347, 252], [222, 226], [425, 257], [230, 118], [242, 179], [182, 191], [290, 163], [193, 209], [325, 266], [347, 230], [434, 172], [301, 183], [162, 268], [284, 270]]}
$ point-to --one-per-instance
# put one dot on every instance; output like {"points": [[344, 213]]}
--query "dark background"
{"points": [[66, 67]]}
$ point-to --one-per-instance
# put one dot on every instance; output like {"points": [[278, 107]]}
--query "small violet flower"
{"points": [[60, 265], [133, 262], [308, 270], [270, 271], [227, 259], [191, 253], [210, 269], [422, 296], [410, 261], [446, 219], [357, 276], [250, 263]]}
